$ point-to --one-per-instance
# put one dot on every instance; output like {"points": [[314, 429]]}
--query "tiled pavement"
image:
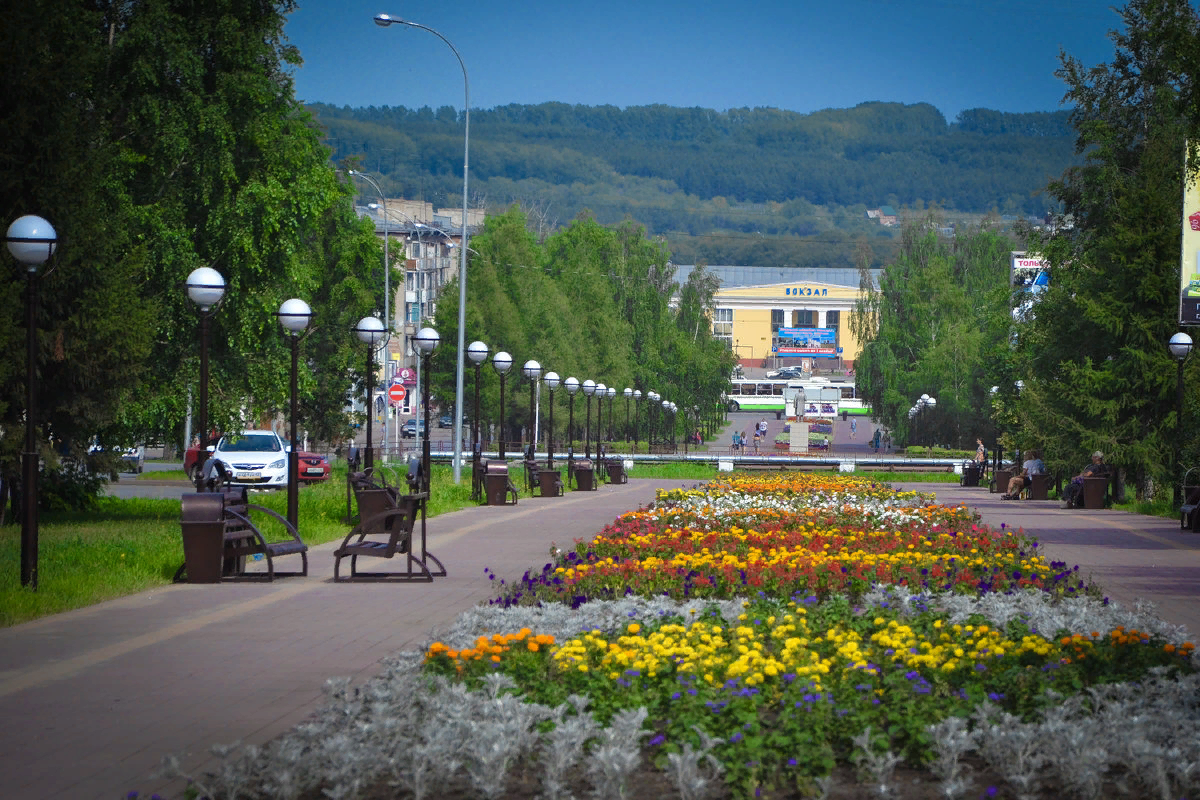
{"points": [[92, 699]]}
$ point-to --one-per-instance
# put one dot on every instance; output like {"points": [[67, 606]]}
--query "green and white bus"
{"points": [[770, 396]]}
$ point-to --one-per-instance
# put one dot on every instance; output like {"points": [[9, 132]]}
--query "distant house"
{"points": [[886, 215]]}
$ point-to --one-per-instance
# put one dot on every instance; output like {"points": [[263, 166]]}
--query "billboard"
{"points": [[1029, 275], [1189, 249], [805, 343]]}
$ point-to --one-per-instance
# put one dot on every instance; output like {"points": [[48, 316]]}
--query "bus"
{"points": [[771, 396]]}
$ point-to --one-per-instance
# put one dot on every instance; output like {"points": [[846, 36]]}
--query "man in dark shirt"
{"points": [[1096, 469]]}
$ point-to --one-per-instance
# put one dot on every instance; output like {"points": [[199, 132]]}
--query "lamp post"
{"points": [[552, 382], [384, 20], [31, 241], [502, 363], [612, 392], [371, 332], [294, 315], [205, 287], [427, 340], [637, 395], [651, 407], [1180, 347], [478, 353], [589, 388], [668, 434], [572, 385], [628, 394], [387, 291], [533, 373]]}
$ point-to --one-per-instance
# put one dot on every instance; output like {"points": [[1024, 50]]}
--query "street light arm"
{"points": [[385, 20]]}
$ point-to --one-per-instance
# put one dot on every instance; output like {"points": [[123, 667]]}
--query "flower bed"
{"points": [[761, 634]]}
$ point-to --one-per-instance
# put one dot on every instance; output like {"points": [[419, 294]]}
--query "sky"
{"points": [[800, 56]]}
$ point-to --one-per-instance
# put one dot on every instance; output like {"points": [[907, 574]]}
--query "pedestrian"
{"points": [[757, 436], [737, 440], [853, 427]]}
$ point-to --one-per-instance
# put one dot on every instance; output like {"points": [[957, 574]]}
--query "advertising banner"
{"points": [[806, 342], [1189, 271]]}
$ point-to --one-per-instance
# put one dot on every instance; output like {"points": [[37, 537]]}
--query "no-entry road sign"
{"points": [[396, 394]]}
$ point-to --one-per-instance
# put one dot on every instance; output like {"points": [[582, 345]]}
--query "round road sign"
{"points": [[396, 394]]}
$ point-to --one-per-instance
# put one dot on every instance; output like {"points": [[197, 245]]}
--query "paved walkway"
{"points": [[92, 699]]}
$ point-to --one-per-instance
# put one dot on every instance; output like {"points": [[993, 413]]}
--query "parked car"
{"points": [[786, 372], [411, 426], [311, 466], [134, 459], [254, 458], [446, 420]]}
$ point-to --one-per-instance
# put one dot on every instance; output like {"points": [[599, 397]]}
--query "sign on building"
{"points": [[805, 342]]}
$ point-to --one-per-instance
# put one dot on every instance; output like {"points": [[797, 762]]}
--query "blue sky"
{"points": [[800, 56]]}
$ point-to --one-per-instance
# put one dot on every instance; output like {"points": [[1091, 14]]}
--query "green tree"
{"points": [[1100, 375]]}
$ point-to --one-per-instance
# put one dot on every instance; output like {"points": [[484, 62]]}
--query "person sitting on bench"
{"points": [[1074, 491], [1032, 466]]}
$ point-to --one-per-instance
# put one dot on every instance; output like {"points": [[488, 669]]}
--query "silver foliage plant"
{"points": [[415, 732]]}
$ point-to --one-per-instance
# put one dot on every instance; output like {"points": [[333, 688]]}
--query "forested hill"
{"points": [[691, 171]]}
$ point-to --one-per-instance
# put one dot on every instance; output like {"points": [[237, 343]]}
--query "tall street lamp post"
{"points": [[427, 340], [637, 396], [384, 20], [612, 393], [371, 332], [589, 389], [387, 290], [533, 373], [205, 287], [478, 353], [502, 363], [572, 385], [294, 315], [552, 381], [1180, 347], [31, 241], [628, 394]]}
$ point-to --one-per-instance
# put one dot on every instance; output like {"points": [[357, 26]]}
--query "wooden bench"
{"points": [[218, 535]]}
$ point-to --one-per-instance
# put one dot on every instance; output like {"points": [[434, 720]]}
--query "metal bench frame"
{"points": [[241, 537], [384, 512]]}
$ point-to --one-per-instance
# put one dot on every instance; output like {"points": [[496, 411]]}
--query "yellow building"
{"points": [[794, 315]]}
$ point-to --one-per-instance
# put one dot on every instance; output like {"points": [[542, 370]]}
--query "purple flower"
{"points": [[995, 697], [792, 762], [657, 740], [737, 737]]}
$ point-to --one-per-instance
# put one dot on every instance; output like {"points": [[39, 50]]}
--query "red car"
{"points": [[310, 466]]}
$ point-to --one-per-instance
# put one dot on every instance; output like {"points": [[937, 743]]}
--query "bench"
{"points": [[1188, 518], [380, 534], [497, 485], [218, 534]]}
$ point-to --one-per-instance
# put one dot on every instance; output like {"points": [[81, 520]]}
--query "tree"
{"points": [[1100, 374], [158, 137]]}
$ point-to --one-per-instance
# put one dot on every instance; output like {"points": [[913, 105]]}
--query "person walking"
{"points": [[853, 427]]}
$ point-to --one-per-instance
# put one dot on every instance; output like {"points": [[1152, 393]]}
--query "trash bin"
{"points": [[202, 517], [495, 482], [585, 476], [1000, 480], [1093, 492], [550, 482], [971, 473], [616, 471]]}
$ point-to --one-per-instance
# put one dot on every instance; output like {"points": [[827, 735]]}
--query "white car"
{"points": [[254, 458]]}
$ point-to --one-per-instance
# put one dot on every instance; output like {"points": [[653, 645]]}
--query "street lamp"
{"points": [[294, 315], [371, 332], [1180, 347], [612, 392], [628, 394], [589, 388], [384, 20], [478, 353], [637, 396], [552, 381], [572, 385], [205, 287], [651, 406], [502, 363], [533, 373], [31, 241], [387, 291], [601, 393], [427, 340], [666, 404]]}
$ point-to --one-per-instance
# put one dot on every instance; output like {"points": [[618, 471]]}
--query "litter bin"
{"points": [[1093, 492], [202, 517], [550, 482], [1000, 480], [971, 473], [585, 476], [495, 482], [616, 471]]}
